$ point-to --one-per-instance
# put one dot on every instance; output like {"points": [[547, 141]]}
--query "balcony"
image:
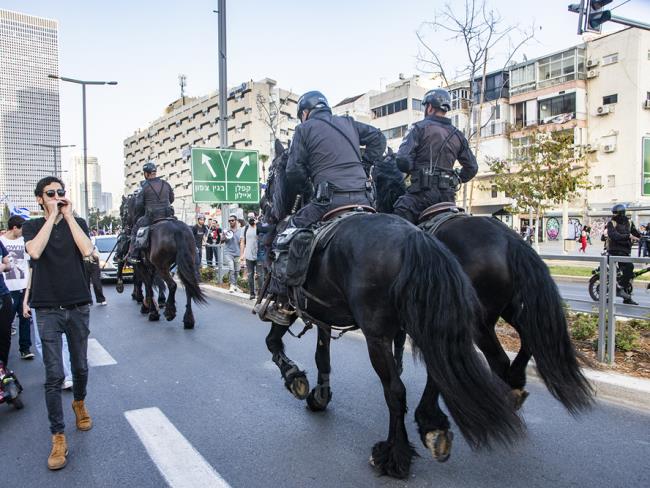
{"points": [[495, 129]]}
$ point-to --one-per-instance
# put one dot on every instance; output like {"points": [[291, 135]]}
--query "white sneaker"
{"points": [[67, 384], [104, 303], [232, 289]]}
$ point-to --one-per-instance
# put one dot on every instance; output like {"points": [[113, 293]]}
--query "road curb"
{"points": [[612, 387]]}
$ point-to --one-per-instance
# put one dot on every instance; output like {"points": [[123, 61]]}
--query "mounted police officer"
{"points": [[428, 153], [325, 152], [152, 203], [620, 234]]}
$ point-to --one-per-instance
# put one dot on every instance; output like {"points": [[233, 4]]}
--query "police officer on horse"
{"points": [[152, 203], [428, 153], [325, 152]]}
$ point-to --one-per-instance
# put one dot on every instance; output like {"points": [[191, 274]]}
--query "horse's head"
{"points": [[127, 211], [274, 204], [389, 182]]}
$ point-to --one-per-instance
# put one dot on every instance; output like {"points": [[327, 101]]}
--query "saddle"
{"points": [[294, 251], [433, 217]]}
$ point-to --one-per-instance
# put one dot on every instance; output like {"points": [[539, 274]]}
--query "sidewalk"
{"points": [[612, 387]]}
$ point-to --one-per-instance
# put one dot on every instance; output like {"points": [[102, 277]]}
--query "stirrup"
{"points": [[133, 260], [274, 313]]}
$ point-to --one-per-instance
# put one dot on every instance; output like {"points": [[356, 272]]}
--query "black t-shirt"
{"points": [[199, 231], [58, 276]]}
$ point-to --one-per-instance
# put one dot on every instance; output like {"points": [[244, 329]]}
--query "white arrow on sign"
{"points": [[245, 161], [205, 159]]}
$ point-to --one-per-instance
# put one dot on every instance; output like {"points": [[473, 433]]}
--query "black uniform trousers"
{"points": [[627, 269], [313, 212], [410, 205]]}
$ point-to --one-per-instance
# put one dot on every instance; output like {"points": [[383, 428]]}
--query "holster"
{"points": [[323, 192]]}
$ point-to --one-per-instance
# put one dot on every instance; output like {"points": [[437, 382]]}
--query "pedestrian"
{"points": [[57, 244], [6, 308], [93, 275], [232, 251], [200, 232], [210, 250], [249, 252], [16, 280], [583, 241]]}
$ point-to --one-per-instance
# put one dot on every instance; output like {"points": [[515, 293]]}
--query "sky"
{"points": [[341, 48]]}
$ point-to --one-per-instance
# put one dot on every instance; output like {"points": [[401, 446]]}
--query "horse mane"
{"points": [[389, 182]]}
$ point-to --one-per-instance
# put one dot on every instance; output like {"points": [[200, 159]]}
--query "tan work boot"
{"points": [[83, 417], [59, 451]]}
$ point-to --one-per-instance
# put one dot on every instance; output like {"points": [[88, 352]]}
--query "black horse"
{"points": [[511, 282], [384, 275], [170, 242]]}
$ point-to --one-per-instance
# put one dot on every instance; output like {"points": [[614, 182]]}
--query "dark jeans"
{"points": [[261, 274], [250, 269], [199, 256], [6, 317], [410, 205], [24, 332], [210, 252], [93, 274], [52, 322]]}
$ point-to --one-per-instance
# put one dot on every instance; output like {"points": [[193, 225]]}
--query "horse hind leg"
{"points": [[433, 424], [295, 379], [516, 374], [399, 341], [321, 395], [170, 305]]}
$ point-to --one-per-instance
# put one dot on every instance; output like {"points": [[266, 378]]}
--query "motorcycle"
{"points": [[10, 387], [594, 282]]}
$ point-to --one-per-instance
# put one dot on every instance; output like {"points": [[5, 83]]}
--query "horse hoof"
{"points": [[144, 309], [188, 325], [391, 459], [319, 398], [299, 386], [520, 396], [170, 317], [439, 444], [119, 287], [154, 317]]}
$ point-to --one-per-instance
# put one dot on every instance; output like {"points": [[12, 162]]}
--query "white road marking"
{"points": [[180, 464], [97, 355]]}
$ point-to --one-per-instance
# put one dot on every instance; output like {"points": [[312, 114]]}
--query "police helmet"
{"points": [[311, 100], [618, 209], [438, 98], [149, 167]]}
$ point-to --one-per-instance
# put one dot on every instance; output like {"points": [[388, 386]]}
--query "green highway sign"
{"points": [[225, 176]]}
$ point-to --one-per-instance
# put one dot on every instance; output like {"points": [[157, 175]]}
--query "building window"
{"points": [[494, 191], [611, 181], [557, 110], [395, 132], [390, 108], [520, 115], [520, 147], [609, 99], [417, 105], [610, 59], [598, 180]]}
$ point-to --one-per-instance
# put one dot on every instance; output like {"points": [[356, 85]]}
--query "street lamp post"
{"points": [[83, 95], [54, 147]]}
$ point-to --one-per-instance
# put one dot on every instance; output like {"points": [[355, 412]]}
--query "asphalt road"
{"points": [[577, 296], [222, 396]]}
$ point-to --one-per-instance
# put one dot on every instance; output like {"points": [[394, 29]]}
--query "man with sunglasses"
{"points": [[57, 244]]}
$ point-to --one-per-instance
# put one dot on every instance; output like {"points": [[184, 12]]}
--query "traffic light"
{"points": [[595, 16]]}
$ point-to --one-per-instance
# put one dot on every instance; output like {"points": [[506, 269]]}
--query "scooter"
{"points": [[10, 387]]}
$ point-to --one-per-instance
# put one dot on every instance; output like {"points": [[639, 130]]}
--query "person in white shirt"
{"points": [[249, 251], [16, 280]]}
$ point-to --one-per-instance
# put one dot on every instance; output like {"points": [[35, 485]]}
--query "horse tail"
{"points": [[439, 309], [185, 264], [541, 322]]}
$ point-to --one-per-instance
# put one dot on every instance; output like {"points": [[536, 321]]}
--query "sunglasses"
{"points": [[51, 193], [232, 220]]}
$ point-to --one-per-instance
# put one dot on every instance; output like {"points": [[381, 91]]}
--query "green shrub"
{"points": [[584, 326], [207, 274], [626, 337], [640, 325]]}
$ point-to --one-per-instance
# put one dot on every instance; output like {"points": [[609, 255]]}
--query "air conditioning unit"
{"points": [[592, 73], [608, 148], [592, 63], [604, 110], [646, 105], [591, 148]]}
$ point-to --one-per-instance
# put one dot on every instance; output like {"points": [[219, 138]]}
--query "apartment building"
{"points": [[194, 122]]}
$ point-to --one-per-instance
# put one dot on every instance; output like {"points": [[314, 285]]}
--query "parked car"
{"points": [[107, 262]]}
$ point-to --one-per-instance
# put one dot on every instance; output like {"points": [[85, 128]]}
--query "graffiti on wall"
{"points": [[554, 225]]}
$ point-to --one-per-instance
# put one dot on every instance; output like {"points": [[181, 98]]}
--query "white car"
{"points": [[107, 266]]}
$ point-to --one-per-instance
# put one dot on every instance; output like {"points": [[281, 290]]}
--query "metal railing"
{"points": [[607, 308]]}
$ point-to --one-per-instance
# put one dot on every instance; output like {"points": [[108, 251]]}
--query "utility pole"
{"points": [[223, 91]]}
